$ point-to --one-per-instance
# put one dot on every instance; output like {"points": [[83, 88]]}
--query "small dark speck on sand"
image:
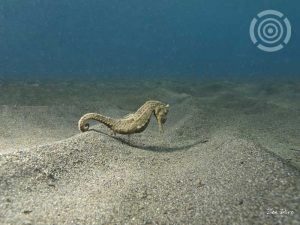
{"points": [[27, 211], [51, 185], [200, 183]]}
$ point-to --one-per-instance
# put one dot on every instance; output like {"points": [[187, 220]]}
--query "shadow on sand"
{"points": [[152, 147]]}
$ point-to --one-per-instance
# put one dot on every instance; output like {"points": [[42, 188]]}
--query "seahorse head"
{"points": [[161, 112]]}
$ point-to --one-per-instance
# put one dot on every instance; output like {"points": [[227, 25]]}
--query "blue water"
{"points": [[92, 38]]}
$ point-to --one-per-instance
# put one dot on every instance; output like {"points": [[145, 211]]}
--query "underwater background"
{"points": [[229, 71], [97, 38]]}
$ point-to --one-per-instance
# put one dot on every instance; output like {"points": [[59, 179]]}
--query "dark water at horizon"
{"points": [[94, 38]]}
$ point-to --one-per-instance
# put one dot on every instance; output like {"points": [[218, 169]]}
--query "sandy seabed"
{"points": [[230, 153]]}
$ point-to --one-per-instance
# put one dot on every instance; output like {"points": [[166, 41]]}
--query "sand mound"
{"points": [[93, 178]]}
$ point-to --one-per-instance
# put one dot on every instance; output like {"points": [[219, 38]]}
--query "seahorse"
{"points": [[133, 123]]}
